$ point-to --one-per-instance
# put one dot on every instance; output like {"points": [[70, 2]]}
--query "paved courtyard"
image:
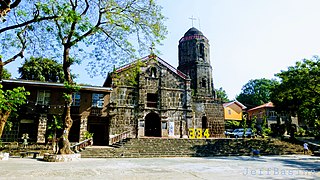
{"points": [[264, 167]]}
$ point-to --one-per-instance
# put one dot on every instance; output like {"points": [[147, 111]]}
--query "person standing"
{"points": [[305, 148]]}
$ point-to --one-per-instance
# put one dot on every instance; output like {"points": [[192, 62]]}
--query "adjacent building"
{"points": [[89, 111], [266, 112], [233, 111]]}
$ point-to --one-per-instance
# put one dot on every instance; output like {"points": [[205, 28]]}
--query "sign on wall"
{"points": [[171, 128], [198, 133]]}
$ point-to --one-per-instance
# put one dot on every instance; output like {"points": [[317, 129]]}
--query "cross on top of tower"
{"points": [[192, 19]]}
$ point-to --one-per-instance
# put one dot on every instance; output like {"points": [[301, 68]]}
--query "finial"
{"points": [[152, 55], [192, 19], [152, 48]]}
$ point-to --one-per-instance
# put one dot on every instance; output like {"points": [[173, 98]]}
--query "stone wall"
{"points": [[132, 103], [213, 112], [83, 127], [42, 128]]}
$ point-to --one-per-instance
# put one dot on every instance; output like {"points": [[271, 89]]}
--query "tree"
{"points": [[9, 102], [107, 27], [14, 32], [41, 69], [6, 74], [6, 6], [53, 127], [221, 94], [256, 92], [299, 92]]}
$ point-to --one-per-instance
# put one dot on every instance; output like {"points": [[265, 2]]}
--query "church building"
{"points": [[152, 98], [145, 98]]}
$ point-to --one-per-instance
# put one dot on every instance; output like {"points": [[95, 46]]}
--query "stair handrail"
{"points": [[80, 145], [119, 137]]}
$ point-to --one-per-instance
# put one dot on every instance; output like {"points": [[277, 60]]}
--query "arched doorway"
{"points": [[152, 125], [204, 122]]}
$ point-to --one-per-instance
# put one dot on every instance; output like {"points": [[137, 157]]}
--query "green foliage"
{"points": [[256, 92], [129, 75], [8, 126], [53, 126], [232, 124], [244, 121], [12, 119], [6, 74], [41, 69], [221, 94], [11, 99], [264, 126], [114, 31], [267, 131], [301, 132], [71, 87], [87, 135], [253, 124], [299, 91]]}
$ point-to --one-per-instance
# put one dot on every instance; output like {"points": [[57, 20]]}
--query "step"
{"points": [[161, 147]]}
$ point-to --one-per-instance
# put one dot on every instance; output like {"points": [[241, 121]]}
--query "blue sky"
{"points": [[249, 39]]}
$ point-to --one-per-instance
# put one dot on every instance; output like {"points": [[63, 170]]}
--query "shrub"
{"points": [[87, 135], [300, 132]]}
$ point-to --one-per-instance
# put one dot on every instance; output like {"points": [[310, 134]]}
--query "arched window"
{"points": [[204, 122], [153, 72], [204, 82], [202, 51]]}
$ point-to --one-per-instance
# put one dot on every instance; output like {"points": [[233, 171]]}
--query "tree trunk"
{"points": [[3, 119], [1, 70], [64, 144]]}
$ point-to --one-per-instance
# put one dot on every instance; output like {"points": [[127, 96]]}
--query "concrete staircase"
{"points": [[166, 147]]}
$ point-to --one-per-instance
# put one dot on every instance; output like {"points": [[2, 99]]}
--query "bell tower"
{"points": [[194, 60]]}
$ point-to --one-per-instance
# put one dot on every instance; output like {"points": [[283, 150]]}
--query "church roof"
{"points": [[193, 31], [163, 62]]}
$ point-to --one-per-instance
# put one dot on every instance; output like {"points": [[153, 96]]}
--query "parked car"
{"points": [[240, 133], [227, 132]]}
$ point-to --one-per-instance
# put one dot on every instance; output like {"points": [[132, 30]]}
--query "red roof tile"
{"points": [[267, 105], [163, 62]]}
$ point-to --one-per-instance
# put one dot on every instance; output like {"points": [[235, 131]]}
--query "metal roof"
{"points": [[267, 105], [53, 84]]}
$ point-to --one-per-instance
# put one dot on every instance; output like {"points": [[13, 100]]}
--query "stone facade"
{"points": [[42, 127], [194, 60], [156, 102], [152, 98]]}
